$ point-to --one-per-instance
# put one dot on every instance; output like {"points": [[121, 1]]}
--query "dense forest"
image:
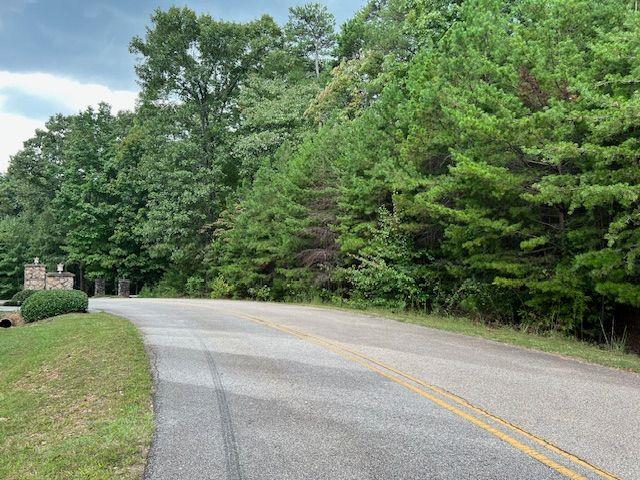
{"points": [[475, 157]]}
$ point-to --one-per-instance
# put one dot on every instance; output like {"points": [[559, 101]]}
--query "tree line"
{"points": [[474, 157]]}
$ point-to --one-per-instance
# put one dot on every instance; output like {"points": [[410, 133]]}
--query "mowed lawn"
{"points": [[75, 399]]}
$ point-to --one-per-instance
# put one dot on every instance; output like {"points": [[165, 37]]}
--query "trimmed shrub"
{"points": [[19, 298], [49, 303]]}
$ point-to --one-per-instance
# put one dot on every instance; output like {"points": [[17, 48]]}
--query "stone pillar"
{"points": [[60, 281], [35, 276], [124, 287], [99, 288]]}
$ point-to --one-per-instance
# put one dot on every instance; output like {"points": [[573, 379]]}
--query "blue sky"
{"points": [[63, 55]]}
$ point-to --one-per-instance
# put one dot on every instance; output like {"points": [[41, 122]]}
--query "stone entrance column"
{"points": [[124, 288], [35, 275], [60, 281], [99, 287]]}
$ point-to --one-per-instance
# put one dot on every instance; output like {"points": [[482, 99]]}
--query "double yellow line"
{"points": [[453, 404]]}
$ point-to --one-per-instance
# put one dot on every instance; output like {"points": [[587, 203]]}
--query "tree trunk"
{"points": [[562, 228], [204, 131]]}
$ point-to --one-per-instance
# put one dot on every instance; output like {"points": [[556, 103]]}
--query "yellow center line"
{"points": [[366, 362], [461, 401]]}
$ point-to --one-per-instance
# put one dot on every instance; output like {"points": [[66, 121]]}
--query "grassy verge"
{"points": [[75, 399], [551, 343]]}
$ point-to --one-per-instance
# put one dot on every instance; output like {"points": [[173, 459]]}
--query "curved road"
{"points": [[248, 390]]}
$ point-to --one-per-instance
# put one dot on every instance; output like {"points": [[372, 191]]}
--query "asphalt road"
{"points": [[249, 390]]}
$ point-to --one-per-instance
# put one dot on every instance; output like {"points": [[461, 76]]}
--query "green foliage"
{"points": [[170, 286], [19, 298], [49, 303], [192, 69], [262, 293], [195, 286], [476, 158], [219, 288], [309, 32], [384, 274], [280, 237], [273, 109], [159, 291], [379, 26], [14, 249]]}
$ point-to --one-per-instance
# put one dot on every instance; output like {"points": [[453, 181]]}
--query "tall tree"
{"points": [[15, 251], [191, 70], [201, 62], [272, 104], [310, 31], [476, 156]]}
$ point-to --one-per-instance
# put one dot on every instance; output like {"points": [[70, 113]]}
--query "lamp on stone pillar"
{"points": [[35, 275], [60, 267]]}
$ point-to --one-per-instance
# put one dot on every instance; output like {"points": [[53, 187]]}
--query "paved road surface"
{"points": [[250, 390]]}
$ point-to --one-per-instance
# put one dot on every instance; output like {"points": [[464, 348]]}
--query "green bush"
{"points": [[220, 288], [262, 293], [146, 292], [22, 296], [19, 298], [49, 303], [195, 286], [162, 290]]}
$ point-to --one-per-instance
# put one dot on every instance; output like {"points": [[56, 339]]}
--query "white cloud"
{"points": [[14, 129], [71, 93], [74, 95]]}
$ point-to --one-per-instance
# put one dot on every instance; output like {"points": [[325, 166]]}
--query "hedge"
{"points": [[19, 298], [49, 303]]}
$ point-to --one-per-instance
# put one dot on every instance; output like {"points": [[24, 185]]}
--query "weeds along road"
{"points": [[248, 390]]}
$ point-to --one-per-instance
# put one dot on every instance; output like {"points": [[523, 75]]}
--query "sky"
{"points": [[60, 56]]}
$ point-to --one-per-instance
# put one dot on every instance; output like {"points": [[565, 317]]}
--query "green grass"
{"points": [[551, 343], [75, 399]]}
